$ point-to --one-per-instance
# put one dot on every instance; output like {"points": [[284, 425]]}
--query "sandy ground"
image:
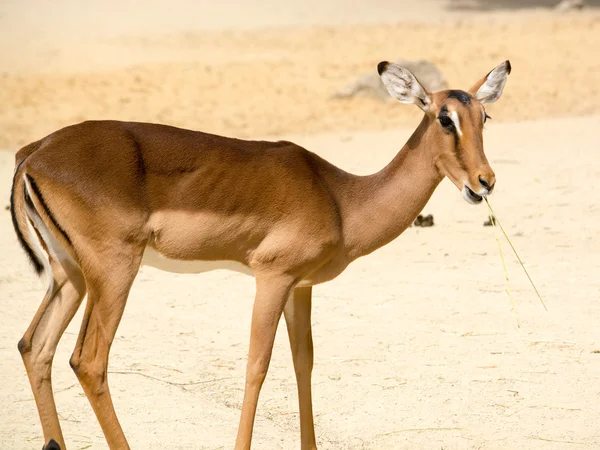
{"points": [[416, 345], [279, 80]]}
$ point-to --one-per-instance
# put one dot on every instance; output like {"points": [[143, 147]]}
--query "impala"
{"points": [[92, 202]]}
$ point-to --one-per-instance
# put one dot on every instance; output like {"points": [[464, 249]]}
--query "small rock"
{"points": [[569, 5], [370, 85], [423, 221], [491, 221]]}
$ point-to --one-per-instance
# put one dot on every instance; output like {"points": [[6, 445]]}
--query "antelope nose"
{"points": [[488, 183]]}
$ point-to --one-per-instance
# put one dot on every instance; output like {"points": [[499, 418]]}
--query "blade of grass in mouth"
{"points": [[494, 220], [507, 290]]}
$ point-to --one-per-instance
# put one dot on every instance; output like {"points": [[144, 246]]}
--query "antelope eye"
{"points": [[445, 121]]}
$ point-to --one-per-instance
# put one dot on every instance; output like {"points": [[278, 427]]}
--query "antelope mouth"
{"points": [[470, 196]]}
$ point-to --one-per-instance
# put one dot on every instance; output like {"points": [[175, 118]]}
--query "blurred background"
{"points": [[255, 69], [416, 346]]}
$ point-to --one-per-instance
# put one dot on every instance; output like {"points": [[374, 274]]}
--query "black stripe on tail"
{"points": [[38, 194], [35, 262]]}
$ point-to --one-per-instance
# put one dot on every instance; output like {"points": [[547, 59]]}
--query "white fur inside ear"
{"points": [[404, 86], [491, 90]]}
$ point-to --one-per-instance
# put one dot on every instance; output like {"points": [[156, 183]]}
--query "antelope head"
{"points": [[454, 133]]}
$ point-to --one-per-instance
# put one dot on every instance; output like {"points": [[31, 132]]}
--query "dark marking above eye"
{"points": [[461, 96]]}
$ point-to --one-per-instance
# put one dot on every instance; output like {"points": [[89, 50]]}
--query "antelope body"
{"points": [[92, 202]]}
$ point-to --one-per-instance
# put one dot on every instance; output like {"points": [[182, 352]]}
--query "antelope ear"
{"points": [[403, 85], [489, 88]]}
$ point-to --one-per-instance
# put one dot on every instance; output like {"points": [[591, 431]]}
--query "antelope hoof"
{"points": [[52, 445]]}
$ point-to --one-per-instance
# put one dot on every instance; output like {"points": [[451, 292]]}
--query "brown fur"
{"points": [[115, 188]]}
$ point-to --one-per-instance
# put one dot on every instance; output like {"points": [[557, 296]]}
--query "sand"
{"points": [[279, 80], [416, 346]]}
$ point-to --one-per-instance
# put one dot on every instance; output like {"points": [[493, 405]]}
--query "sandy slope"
{"points": [[416, 346], [278, 81]]}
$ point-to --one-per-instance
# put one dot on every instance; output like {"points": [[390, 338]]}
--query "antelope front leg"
{"points": [[271, 296], [297, 317]]}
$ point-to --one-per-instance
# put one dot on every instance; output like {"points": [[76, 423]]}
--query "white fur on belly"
{"points": [[154, 259]]}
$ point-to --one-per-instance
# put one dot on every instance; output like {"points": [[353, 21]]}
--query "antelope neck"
{"points": [[377, 208]]}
